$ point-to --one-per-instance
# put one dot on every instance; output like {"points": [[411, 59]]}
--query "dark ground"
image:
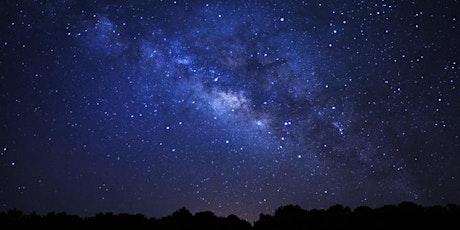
{"points": [[406, 214]]}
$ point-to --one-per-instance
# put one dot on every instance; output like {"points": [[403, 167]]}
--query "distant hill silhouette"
{"points": [[404, 215]]}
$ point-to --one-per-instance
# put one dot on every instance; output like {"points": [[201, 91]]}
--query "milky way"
{"points": [[228, 106]]}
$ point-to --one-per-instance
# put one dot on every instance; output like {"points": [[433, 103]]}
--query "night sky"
{"points": [[234, 107]]}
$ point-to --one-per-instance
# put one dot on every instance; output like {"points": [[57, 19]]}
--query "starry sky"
{"points": [[234, 107]]}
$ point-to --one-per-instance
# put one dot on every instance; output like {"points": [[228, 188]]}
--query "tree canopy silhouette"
{"points": [[405, 214]]}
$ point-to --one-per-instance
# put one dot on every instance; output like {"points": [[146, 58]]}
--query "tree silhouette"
{"points": [[233, 222], [206, 220], [405, 214]]}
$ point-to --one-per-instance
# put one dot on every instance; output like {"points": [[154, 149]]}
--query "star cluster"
{"points": [[229, 106]]}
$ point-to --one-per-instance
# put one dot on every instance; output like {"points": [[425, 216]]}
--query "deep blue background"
{"points": [[229, 106]]}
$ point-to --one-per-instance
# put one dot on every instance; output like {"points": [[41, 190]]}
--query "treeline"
{"points": [[406, 214]]}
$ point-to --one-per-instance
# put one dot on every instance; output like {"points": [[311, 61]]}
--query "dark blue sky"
{"points": [[228, 106]]}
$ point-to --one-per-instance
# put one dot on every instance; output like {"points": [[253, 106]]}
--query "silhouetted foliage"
{"points": [[405, 214]]}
